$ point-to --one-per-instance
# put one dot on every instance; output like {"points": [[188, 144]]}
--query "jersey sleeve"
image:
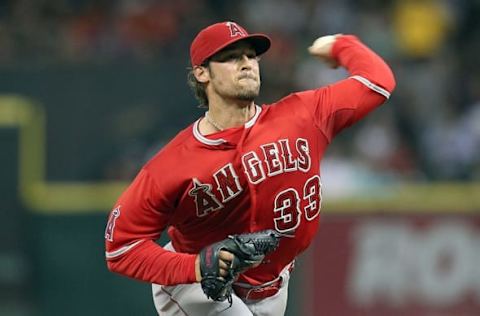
{"points": [[343, 103], [139, 217]]}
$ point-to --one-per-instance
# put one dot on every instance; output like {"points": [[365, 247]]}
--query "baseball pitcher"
{"points": [[239, 190]]}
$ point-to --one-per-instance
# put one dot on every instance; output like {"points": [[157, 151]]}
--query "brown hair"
{"points": [[198, 89]]}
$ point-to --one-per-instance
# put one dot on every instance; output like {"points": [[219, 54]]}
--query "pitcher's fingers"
{"points": [[226, 255], [224, 272], [224, 264]]}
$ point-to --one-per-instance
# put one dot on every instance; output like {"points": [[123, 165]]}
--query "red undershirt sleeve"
{"points": [[140, 215]]}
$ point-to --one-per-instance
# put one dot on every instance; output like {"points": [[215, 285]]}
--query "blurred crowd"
{"points": [[430, 129]]}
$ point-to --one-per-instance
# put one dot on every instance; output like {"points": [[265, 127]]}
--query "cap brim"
{"points": [[260, 42]]}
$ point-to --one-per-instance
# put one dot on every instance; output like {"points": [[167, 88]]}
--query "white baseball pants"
{"points": [[189, 300]]}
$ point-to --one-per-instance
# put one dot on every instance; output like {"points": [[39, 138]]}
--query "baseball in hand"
{"points": [[322, 49]]}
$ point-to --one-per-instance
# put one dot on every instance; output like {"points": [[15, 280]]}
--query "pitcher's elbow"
{"points": [[390, 82]]}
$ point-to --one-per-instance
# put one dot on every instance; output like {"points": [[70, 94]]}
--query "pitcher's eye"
{"points": [[225, 57], [234, 56]]}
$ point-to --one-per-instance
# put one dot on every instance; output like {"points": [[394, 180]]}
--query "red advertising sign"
{"points": [[394, 265]]}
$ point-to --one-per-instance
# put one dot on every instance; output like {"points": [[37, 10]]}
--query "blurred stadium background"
{"points": [[89, 90]]}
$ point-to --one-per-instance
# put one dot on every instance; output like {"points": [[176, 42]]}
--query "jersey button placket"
{"points": [[253, 192], [253, 208]]}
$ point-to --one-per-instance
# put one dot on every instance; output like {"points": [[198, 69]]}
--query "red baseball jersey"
{"points": [[263, 175]]}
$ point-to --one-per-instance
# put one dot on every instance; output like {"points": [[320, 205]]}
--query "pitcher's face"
{"points": [[234, 72]]}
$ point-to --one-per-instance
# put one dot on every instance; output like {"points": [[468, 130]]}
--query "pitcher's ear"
{"points": [[201, 73]]}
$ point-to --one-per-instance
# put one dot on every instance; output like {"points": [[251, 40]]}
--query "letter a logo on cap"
{"points": [[235, 29]]}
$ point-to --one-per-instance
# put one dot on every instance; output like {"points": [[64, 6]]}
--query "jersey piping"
{"points": [[372, 86], [252, 121], [121, 251], [203, 139], [219, 141]]}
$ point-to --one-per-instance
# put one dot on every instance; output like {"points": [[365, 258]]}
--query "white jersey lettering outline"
{"points": [[272, 159], [204, 205], [303, 150], [223, 177], [289, 164], [253, 170]]}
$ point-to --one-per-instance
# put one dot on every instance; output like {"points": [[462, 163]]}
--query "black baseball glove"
{"points": [[249, 249]]}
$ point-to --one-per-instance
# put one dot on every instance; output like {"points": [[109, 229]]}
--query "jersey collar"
{"points": [[219, 141]]}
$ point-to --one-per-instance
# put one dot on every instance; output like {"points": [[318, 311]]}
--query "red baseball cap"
{"points": [[217, 36]]}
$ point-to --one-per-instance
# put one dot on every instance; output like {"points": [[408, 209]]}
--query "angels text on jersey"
{"points": [[274, 159]]}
